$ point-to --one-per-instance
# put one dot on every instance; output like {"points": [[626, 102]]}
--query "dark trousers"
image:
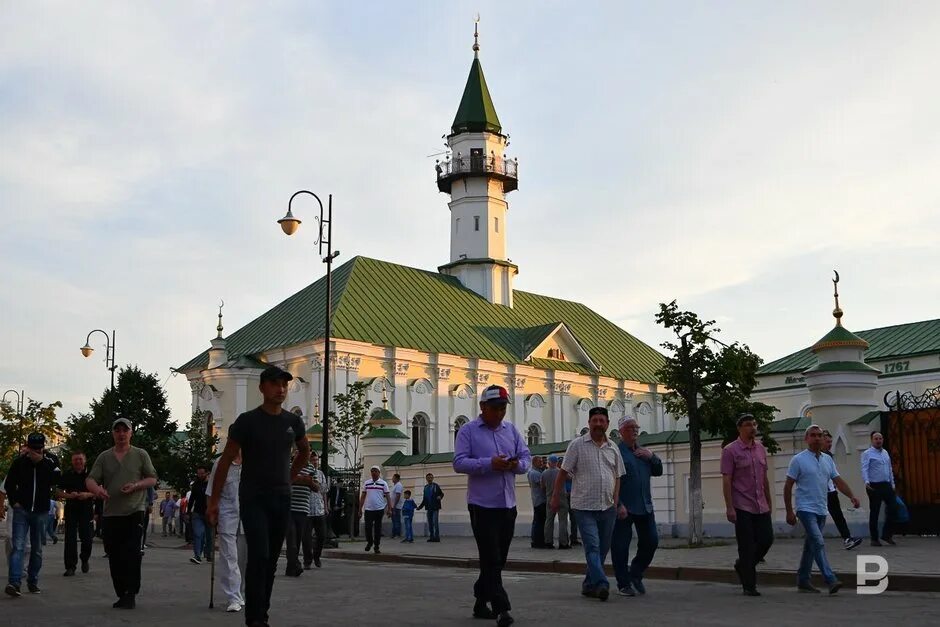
{"points": [[755, 535], [77, 527], [264, 523], [646, 543], [882, 492], [538, 525], [835, 512], [313, 547], [374, 526], [492, 529], [572, 525], [396, 522], [297, 536], [123, 541]]}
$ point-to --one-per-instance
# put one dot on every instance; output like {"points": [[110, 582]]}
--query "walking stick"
{"points": [[212, 570]]}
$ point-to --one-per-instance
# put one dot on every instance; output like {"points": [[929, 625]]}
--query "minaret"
{"points": [[218, 354], [477, 174]]}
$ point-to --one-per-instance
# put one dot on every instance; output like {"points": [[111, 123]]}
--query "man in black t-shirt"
{"points": [[79, 511], [265, 436]]}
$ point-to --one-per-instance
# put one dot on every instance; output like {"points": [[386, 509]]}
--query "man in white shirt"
{"points": [[374, 501], [879, 484], [398, 501], [230, 577]]}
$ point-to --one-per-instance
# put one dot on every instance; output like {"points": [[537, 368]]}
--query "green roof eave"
{"points": [[476, 113], [866, 419], [841, 366], [385, 432]]}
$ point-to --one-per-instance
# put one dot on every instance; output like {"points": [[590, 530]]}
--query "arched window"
{"points": [[210, 425], [419, 435], [459, 422], [534, 435]]}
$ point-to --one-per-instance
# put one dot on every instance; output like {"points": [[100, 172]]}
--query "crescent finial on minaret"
{"points": [[476, 36], [837, 312], [219, 327]]}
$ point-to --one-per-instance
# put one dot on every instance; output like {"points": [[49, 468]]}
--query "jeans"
{"points": [[434, 529], [882, 492], [202, 537], [374, 526], [78, 527], [597, 528], [409, 528], [34, 524], [537, 534], [646, 544], [396, 522], [755, 535], [123, 540], [492, 530], [835, 511], [51, 527], [169, 525], [264, 522], [814, 548]]}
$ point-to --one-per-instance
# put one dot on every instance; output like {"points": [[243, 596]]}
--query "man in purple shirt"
{"points": [[748, 500], [492, 453]]}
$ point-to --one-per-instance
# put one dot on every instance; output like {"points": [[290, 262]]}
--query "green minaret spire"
{"points": [[476, 112]]}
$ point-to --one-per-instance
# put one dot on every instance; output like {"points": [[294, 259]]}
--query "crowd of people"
{"points": [[266, 487]]}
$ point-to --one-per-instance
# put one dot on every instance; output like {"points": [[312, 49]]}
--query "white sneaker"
{"points": [[234, 606]]}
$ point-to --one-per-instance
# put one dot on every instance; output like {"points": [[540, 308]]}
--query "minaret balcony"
{"points": [[501, 168]]}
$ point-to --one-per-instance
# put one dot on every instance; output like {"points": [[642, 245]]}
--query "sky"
{"points": [[729, 155]]}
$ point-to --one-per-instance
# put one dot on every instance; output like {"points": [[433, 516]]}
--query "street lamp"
{"points": [[290, 224], [87, 350], [19, 406]]}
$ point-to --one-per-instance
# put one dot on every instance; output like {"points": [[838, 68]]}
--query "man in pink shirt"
{"points": [[748, 500]]}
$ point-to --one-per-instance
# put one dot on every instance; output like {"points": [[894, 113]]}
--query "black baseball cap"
{"points": [[36, 441], [273, 373]]}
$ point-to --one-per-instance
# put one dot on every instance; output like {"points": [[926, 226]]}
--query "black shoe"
{"points": [[752, 592], [638, 584], [368, 547], [13, 591], [548, 545], [308, 566], [316, 562], [835, 587], [85, 566], [875, 543], [55, 540], [737, 569], [69, 572], [438, 540], [889, 541], [377, 551], [504, 620], [575, 543], [481, 610], [588, 592], [564, 546], [807, 587], [33, 588], [603, 593]]}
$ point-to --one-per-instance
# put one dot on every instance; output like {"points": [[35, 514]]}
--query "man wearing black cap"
{"points": [[29, 487], [121, 476], [264, 436]]}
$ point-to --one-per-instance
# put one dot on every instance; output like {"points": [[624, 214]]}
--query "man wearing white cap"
{"points": [[375, 503]]}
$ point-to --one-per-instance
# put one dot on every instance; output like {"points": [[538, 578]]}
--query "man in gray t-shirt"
{"points": [[534, 476]]}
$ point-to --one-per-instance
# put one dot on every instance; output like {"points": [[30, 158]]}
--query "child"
{"points": [[408, 514]]}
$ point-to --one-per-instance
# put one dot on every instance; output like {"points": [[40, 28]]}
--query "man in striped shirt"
{"points": [[297, 523], [375, 503]]}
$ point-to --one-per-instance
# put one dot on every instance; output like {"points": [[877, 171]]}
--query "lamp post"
{"points": [[290, 224], [19, 406], [87, 350]]}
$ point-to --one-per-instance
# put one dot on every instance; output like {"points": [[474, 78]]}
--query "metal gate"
{"points": [[911, 428]]}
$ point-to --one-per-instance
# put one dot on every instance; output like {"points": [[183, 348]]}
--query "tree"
{"points": [[197, 449], [139, 397], [14, 428], [351, 421], [710, 383]]}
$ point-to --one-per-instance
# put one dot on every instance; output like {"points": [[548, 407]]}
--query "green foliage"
{"points": [[197, 449], [710, 383], [350, 422], [14, 428]]}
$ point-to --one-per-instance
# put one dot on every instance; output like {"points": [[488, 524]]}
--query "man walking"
{"points": [[79, 511], [595, 467], [548, 483], [811, 472], [397, 492], [230, 577], [28, 485], [167, 512], [431, 502], [534, 476], [316, 522], [375, 503], [202, 533], [491, 452], [121, 476], [264, 436], [835, 507], [748, 500], [297, 525], [879, 484], [634, 510]]}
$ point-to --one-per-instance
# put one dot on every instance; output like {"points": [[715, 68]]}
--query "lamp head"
{"points": [[289, 224], [87, 350]]}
